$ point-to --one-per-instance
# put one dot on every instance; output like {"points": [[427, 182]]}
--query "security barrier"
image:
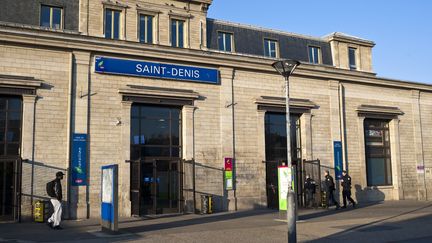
{"points": [[323, 199], [206, 204]]}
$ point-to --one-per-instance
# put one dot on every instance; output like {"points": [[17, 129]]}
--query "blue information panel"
{"points": [[337, 147], [79, 159], [109, 200], [155, 70]]}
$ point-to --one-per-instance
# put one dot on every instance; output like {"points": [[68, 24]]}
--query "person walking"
{"points": [[330, 188], [310, 188], [346, 189], [54, 190]]}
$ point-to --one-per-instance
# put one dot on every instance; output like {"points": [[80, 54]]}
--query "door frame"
{"points": [[16, 180]]}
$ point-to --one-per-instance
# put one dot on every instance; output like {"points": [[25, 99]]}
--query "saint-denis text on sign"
{"points": [[155, 70]]}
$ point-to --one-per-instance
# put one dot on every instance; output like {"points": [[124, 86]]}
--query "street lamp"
{"points": [[286, 68]]}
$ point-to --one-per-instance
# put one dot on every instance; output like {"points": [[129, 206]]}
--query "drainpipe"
{"points": [[33, 164], [342, 125], [233, 140], [69, 130]]}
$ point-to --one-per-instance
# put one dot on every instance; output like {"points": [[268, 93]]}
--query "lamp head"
{"points": [[285, 67]]}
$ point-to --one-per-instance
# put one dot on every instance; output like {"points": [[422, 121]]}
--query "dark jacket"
{"points": [[58, 189], [310, 185], [346, 182], [329, 183]]}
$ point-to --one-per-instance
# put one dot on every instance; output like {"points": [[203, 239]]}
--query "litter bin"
{"points": [[41, 211], [206, 204]]}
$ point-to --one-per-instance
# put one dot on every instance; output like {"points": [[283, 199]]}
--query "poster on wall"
{"points": [[284, 180], [79, 159], [228, 173], [338, 161]]}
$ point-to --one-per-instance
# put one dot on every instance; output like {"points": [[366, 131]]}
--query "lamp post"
{"points": [[286, 68]]}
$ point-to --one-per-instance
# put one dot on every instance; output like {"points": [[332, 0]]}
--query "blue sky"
{"points": [[402, 30]]}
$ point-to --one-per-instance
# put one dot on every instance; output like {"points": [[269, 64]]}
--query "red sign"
{"points": [[228, 164]]}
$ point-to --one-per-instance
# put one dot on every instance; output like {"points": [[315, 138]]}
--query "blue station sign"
{"points": [[155, 70]]}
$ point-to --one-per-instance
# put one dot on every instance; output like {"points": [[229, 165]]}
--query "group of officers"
{"points": [[329, 189]]}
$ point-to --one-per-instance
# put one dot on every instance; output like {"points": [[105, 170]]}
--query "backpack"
{"points": [[50, 189]]}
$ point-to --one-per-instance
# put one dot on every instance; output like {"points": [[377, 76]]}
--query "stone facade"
{"points": [[224, 120]]}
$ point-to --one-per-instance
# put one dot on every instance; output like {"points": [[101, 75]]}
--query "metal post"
{"points": [[286, 68], [291, 207]]}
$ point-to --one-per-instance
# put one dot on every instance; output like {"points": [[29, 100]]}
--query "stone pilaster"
{"points": [[124, 168], [418, 143], [306, 135], [227, 106], [29, 103], [261, 155], [79, 124], [83, 16], [362, 150], [188, 154], [396, 159]]}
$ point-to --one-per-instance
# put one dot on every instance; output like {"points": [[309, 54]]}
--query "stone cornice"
{"points": [[19, 81], [280, 102], [379, 110], [75, 42], [153, 92]]}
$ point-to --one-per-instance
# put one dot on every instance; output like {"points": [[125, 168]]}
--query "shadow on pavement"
{"points": [[415, 229], [309, 214], [196, 221]]}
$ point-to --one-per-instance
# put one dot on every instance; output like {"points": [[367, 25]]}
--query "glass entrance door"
{"points": [[10, 162], [160, 188], [155, 155], [276, 152]]}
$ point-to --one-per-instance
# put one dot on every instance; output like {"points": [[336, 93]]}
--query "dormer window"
{"points": [[270, 48], [51, 17], [225, 41], [314, 55]]}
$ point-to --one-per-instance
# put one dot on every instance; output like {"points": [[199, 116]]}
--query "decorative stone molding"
{"points": [[19, 85], [379, 111], [277, 104], [156, 95], [115, 4]]}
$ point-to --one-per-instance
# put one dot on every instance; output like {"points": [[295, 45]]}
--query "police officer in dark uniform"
{"points": [[310, 187], [346, 189], [330, 188]]}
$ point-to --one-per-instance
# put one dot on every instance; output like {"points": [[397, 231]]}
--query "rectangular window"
{"points": [[314, 54], [225, 41], [177, 33], [352, 58], [378, 158], [146, 28], [112, 24], [51, 17], [270, 48]]}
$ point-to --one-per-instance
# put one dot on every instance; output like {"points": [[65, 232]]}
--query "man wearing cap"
{"points": [[55, 192], [346, 189]]}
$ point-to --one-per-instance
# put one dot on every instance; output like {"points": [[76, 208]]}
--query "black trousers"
{"points": [[331, 199], [310, 199], [346, 194]]}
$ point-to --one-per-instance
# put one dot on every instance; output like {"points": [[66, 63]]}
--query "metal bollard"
{"points": [[291, 216]]}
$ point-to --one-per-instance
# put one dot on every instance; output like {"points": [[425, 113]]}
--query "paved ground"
{"points": [[401, 221]]}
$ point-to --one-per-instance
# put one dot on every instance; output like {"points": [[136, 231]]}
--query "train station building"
{"points": [[169, 95]]}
